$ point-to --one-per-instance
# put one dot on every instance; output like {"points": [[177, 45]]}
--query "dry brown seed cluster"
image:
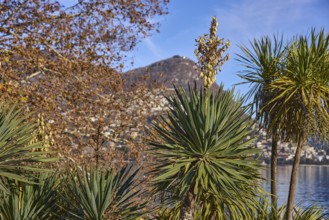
{"points": [[210, 50]]}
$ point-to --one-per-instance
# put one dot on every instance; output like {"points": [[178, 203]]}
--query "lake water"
{"points": [[312, 188]]}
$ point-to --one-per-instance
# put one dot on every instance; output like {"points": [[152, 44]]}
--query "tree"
{"points": [[301, 97], [205, 163], [63, 62], [37, 34], [263, 64]]}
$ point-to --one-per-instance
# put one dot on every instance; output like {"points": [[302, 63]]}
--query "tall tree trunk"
{"points": [[186, 212], [274, 159], [294, 180]]}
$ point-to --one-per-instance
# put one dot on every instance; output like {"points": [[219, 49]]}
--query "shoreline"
{"points": [[313, 165]]}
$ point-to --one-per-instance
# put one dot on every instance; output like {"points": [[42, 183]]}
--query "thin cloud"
{"points": [[244, 20], [248, 18], [152, 47]]}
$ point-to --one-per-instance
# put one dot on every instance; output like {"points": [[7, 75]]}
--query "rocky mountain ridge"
{"points": [[177, 70]]}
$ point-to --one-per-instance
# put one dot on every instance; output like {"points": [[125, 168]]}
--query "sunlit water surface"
{"points": [[312, 188]]}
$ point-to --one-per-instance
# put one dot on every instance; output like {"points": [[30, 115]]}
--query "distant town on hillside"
{"points": [[312, 153], [181, 71]]}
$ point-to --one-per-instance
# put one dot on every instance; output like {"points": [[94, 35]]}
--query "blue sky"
{"points": [[239, 22]]}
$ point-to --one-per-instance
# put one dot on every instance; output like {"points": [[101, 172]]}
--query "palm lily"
{"points": [[309, 213], [104, 194], [17, 155], [204, 158], [263, 64], [301, 213], [290, 88], [31, 201], [301, 101]]}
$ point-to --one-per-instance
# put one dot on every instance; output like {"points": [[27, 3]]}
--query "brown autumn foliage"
{"points": [[62, 63]]}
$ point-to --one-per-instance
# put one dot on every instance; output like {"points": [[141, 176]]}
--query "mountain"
{"points": [[177, 70]]}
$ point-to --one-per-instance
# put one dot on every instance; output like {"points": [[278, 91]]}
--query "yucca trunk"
{"points": [[187, 209], [294, 180], [274, 159]]}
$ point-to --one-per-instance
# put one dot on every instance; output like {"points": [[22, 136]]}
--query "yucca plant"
{"points": [[17, 155], [291, 90], [205, 162], [266, 211], [310, 213], [263, 64], [299, 213], [166, 214], [104, 194], [31, 201], [204, 157], [301, 100]]}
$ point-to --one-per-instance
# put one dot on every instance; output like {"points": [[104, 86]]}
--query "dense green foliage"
{"points": [[97, 194], [18, 156], [204, 156], [290, 85], [104, 194], [302, 97], [203, 147], [266, 212], [302, 89], [31, 201], [262, 63]]}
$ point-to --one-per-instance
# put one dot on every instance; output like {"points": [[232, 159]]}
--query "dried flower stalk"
{"points": [[210, 50]]}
